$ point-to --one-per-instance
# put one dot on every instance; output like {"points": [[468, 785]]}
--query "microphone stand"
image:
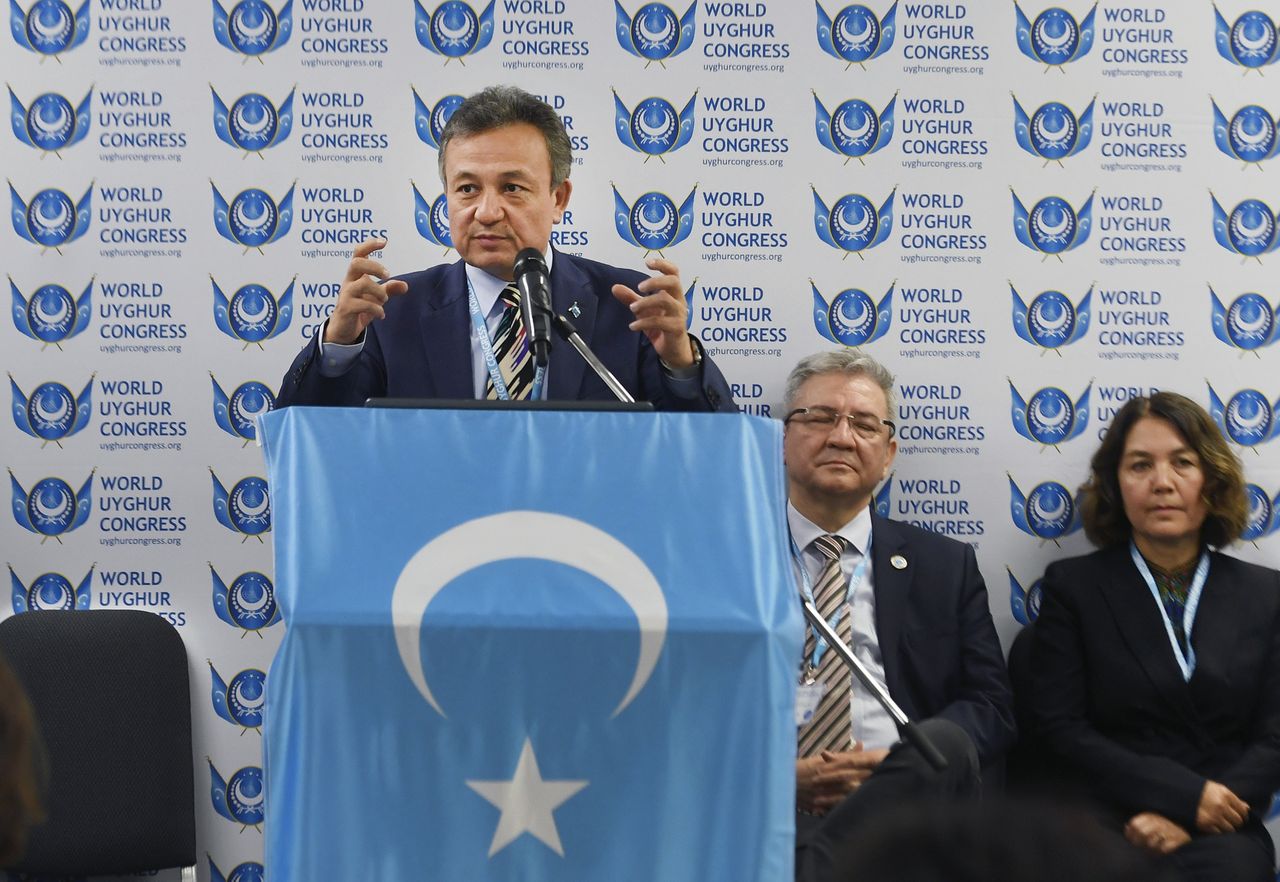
{"points": [[907, 729], [569, 334]]}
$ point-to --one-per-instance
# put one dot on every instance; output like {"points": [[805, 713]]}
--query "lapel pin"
{"points": [[575, 310], [898, 562]]}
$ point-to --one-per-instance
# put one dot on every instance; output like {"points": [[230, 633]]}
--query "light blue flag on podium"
{"points": [[530, 646]]}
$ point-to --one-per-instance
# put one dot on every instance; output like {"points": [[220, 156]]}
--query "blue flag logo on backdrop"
{"points": [[853, 224], [252, 314], [52, 507], [454, 30], [1055, 38], [1052, 320], [252, 123], [1048, 512], [1025, 603], [688, 302], [50, 219], [654, 127], [49, 27], [51, 315], [1052, 226], [237, 414], [430, 122], [653, 222], [1249, 136], [432, 218], [1264, 514], [51, 123], [854, 129], [252, 28], [51, 412], [1052, 132], [1049, 417], [252, 218], [240, 702], [527, 801], [239, 800], [1250, 229], [856, 34], [50, 591], [248, 603], [246, 509], [852, 318], [249, 871], [1252, 41], [654, 34], [1248, 324], [1247, 418], [883, 502]]}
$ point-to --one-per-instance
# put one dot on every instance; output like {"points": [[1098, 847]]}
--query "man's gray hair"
{"points": [[853, 362], [498, 106]]}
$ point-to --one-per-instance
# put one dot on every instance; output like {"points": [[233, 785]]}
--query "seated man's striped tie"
{"points": [[511, 349], [831, 726]]}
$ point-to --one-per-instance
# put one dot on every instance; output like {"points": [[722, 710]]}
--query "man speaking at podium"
{"points": [[456, 331]]}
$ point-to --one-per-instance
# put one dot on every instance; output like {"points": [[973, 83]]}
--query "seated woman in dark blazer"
{"points": [[1156, 660]]}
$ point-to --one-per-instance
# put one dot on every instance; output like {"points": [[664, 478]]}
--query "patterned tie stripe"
{"points": [[511, 349], [831, 726]]}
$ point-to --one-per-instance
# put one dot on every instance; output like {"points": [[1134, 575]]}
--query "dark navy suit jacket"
{"points": [[422, 348], [942, 656], [1110, 704]]}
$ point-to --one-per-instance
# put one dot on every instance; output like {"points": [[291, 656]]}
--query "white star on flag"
{"points": [[526, 802]]}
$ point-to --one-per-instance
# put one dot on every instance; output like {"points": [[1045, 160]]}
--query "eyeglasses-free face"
{"points": [[1162, 485]]}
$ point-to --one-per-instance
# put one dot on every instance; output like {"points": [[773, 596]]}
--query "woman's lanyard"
{"points": [[855, 579], [1186, 662], [490, 360]]}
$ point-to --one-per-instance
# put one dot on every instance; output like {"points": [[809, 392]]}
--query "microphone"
{"points": [[534, 284]]}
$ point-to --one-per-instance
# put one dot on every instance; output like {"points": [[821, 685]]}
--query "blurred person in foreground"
{"points": [[20, 805], [995, 841], [911, 604], [1156, 659], [455, 331]]}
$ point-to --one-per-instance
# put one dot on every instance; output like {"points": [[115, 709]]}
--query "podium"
{"points": [[527, 645]]}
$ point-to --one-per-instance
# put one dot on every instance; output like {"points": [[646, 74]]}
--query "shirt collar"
{"points": [[857, 532], [488, 287]]}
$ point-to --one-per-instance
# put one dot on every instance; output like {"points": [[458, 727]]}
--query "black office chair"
{"points": [[112, 703]]}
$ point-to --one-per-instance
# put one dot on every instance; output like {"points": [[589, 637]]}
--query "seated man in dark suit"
{"points": [[911, 604], [455, 331]]}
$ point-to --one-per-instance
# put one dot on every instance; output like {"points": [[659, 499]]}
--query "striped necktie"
{"points": [[511, 349], [831, 726]]}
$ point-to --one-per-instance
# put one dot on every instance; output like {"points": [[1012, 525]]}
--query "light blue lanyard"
{"points": [[1186, 662], [490, 360], [855, 580]]}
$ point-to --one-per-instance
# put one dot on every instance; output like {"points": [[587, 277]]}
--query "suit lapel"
{"points": [[1141, 627], [892, 587], [569, 287], [446, 337]]}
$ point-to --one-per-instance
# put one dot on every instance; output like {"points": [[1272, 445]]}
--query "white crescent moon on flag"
{"points": [[539, 536]]}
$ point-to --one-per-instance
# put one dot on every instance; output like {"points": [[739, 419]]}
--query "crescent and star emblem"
{"points": [[526, 800]]}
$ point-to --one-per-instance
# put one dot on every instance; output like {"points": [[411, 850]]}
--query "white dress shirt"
{"points": [[870, 723]]}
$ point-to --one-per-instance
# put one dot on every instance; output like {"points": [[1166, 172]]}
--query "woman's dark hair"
{"points": [[19, 788], [1101, 506]]}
